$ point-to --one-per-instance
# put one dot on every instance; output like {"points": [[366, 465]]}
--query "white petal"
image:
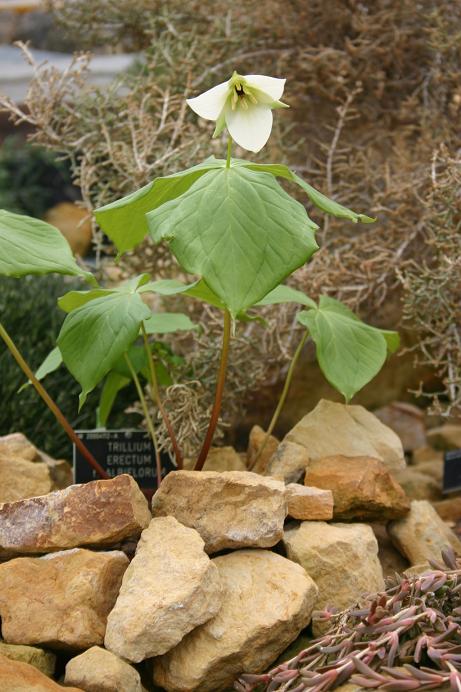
{"points": [[250, 128], [210, 104], [270, 85]]}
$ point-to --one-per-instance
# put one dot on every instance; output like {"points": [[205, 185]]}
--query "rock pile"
{"points": [[182, 615]]}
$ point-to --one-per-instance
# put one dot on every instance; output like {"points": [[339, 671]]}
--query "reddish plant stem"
{"points": [[62, 420], [218, 395]]}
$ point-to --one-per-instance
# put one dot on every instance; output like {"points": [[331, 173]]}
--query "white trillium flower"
{"points": [[244, 105]]}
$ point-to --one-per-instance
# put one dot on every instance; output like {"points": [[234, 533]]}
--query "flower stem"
{"points": [[147, 416], [156, 397], [62, 420], [229, 151], [282, 399], [218, 395]]}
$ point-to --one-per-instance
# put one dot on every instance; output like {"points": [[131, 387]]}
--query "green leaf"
{"points": [[198, 289], [238, 230], [94, 336], [137, 356], [317, 198], [166, 322], [286, 294], [350, 353], [75, 299], [31, 246], [51, 363], [112, 385], [124, 221]]}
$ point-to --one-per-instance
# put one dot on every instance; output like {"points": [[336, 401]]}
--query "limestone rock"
{"points": [[232, 509], [268, 601], [98, 670], [257, 437], [391, 559], [449, 509], [16, 676], [20, 478], [312, 504], [425, 454], [289, 462], [170, 587], [44, 661], [422, 534], [445, 437], [362, 488], [333, 428], [419, 485], [342, 559], [96, 513], [407, 421], [17, 445], [220, 459], [75, 225], [60, 471], [61, 600]]}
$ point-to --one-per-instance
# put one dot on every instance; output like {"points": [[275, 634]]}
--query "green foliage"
{"points": [[238, 230], [32, 179], [31, 246], [28, 311], [95, 335], [124, 221], [350, 353]]}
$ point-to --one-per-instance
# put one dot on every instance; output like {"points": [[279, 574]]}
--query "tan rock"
{"points": [[96, 513], [425, 454], [342, 559], [332, 429], [220, 459], [445, 437], [407, 421], [362, 488], [422, 534], [44, 661], [268, 601], [311, 504], [98, 670], [75, 225], [170, 587], [256, 463], [61, 600], [391, 559], [17, 445], [20, 478], [449, 509], [433, 468], [419, 485], [232, 509], [16, 676], [60, 471], [288, 463]]}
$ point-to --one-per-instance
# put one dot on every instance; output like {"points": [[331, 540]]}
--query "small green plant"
{"points": [[229, 222]]}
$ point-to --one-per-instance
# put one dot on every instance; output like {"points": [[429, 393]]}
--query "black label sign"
{"points": [[120, 451], [452, 471]]}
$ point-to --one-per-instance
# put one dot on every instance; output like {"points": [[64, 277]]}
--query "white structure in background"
{"points": [[16, 73]]}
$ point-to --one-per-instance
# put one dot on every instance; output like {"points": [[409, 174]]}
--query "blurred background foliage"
{"points": [[374, 122]]}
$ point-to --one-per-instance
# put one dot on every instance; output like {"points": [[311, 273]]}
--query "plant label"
{"points": [[120, 451], [452, 471]]}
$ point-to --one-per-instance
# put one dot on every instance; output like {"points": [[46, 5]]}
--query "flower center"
{"points": [[241, 94]]}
